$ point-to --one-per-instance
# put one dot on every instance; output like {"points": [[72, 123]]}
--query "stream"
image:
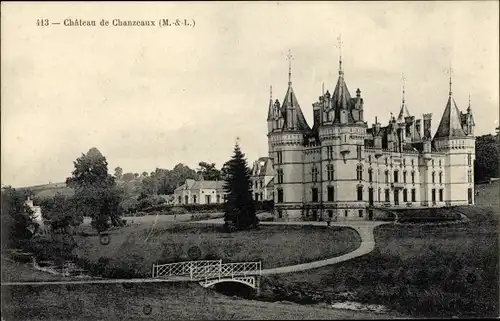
{"points": [[71, 270]]}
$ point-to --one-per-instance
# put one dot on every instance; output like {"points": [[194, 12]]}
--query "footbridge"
{"points": [[210, 272]]}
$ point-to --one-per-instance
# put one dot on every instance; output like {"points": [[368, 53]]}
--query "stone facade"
{"points": [[345, 169], [263, 179]]}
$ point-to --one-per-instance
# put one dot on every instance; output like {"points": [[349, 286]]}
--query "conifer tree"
{"points": [[239, 209]]}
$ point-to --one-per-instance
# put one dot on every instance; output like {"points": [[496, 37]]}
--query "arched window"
{"points": [[396, 176], [359, 172], [440, 177], [386, 176], [370, 175]]}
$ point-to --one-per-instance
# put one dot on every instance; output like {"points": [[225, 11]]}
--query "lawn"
{"points": [[132, 251], [161, 301], [423, 271]]}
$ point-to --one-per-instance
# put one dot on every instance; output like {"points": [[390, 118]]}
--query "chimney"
{"points": [[418, 127], [427, 125]]}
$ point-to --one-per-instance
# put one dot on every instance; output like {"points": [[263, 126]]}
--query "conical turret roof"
{"points": [[291, 101], [450, 125]]}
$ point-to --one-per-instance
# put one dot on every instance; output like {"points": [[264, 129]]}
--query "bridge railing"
{"points": [[183, 268], [205, 270]]}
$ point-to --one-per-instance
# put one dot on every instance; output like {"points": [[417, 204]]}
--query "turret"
{"points": [[270, 112], [468, 121]]}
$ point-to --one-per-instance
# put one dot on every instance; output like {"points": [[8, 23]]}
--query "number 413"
{"points": [[42, 22]]}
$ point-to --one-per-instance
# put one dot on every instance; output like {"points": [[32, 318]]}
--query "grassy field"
{"points": [[423, 271], [165, 301], [133, 250]]}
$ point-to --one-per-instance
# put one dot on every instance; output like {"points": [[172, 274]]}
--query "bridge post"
{"points": [[257, 285]]}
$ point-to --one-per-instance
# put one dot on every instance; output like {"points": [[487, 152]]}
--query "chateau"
{"points": [[344, 169]]}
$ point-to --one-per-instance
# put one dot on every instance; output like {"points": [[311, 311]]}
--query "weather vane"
{"points": [[289, 57], [339, 45]]}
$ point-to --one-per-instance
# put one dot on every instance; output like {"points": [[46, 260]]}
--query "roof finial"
{"points": [[271, 92], [468, 108], [403, 79], [289, 57], [339, 39], [450, 71], [323, 89]]}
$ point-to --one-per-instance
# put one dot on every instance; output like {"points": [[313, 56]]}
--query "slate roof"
{"points": [[450, 125], [191, 184], [291, 101]]}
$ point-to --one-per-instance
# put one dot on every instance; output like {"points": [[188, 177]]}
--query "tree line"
{"points": [[98, 195]]}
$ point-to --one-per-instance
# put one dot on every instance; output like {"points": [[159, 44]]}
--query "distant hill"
{"points": [[132, 188]]}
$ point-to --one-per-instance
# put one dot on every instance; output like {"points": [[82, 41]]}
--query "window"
{"points": [[370, 175], [218, 198], [358, 152], [387, 195], [186, 199], [432, 163], [360, 213], [370, 158], [261, 198], [208, 199], [330, 193], [404, 161], [441, 195], [396, 176], [469, 195], [433, 195], [440, 177], [386, 161], [330, 213], [413, 177], [433, 177], [329, 152], [280, 176], [279, 156], [469, 159], [314, 194], [412, 162], [260, 184], [396, 197], [256, 196], [329, 171], [194, 199], [314, 173], [469, 176], [280, 195], [360, 193], [404, 177], [345, 213], [256, 185], [439, 163], [386, 177], [359, 172], [405, 195], [413, 195], [180, 200]]}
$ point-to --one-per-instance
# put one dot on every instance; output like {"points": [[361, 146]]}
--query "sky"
{"points": [[151, 97]]}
